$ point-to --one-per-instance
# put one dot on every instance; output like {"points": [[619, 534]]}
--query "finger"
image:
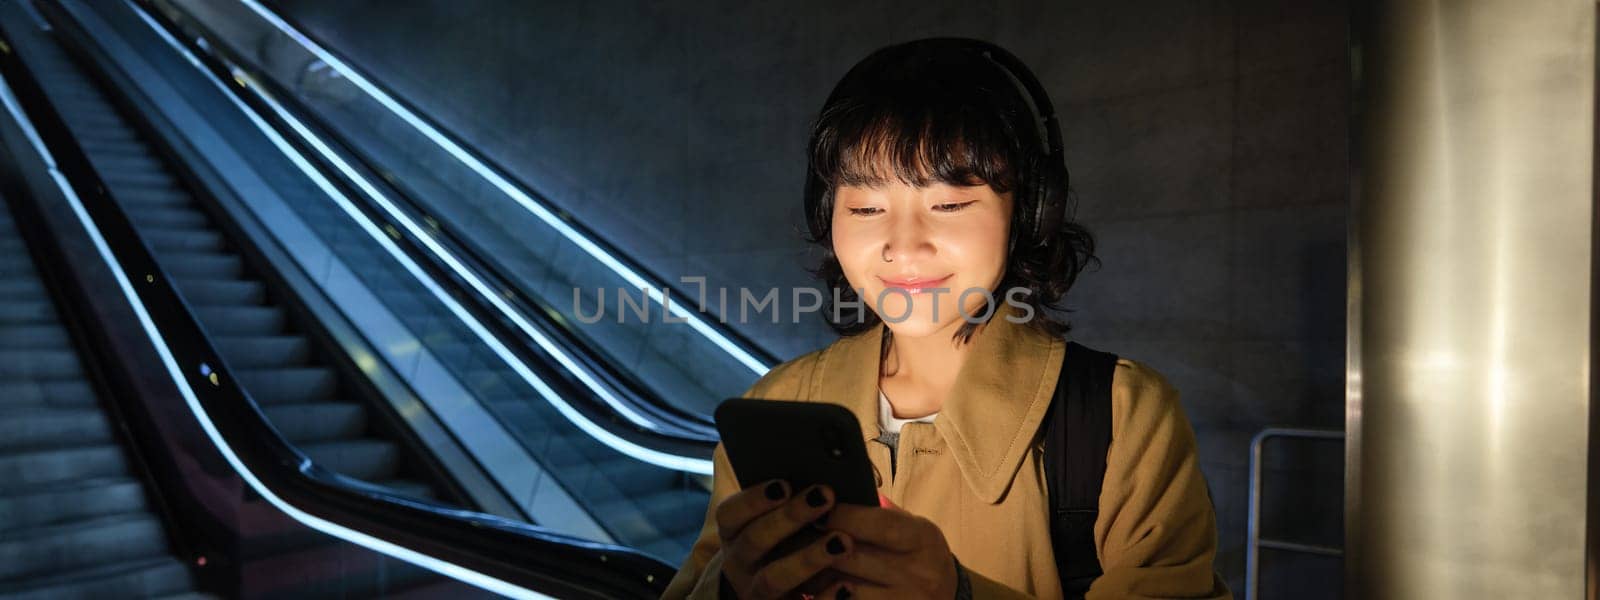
{"points": [[840, 590], [784, 575], [855, 589], [764, 533], [814, 587], [895, 530], [874, 565], [738, 510]]}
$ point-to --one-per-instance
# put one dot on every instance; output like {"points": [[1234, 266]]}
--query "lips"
{"points": [[916, 285]]}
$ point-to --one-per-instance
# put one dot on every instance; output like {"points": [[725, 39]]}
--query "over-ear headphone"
{"points": [[1047, 174]]}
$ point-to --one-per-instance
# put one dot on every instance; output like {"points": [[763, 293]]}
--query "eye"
{"points": [[953, 206], [864, 211]]}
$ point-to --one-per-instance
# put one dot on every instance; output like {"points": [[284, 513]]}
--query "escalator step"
{"points": [[70, 392], [364, 459], [78, 499], [116, 147], [129, 579], [264, 351], [241, 320], [137, 178], [169, 218], [35, 337], [203, 266], [33, 428], [41, 364], [176, 240], [113, 133], [16, 287], [27, 312], [318, 421], [127, 162], [70, 546], [20, 471], [292, 385], [222, 292], [136, 196]]}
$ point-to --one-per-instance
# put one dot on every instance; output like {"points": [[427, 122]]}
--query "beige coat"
{"points": [[977, 471]]}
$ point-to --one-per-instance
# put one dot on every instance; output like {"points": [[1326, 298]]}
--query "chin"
{"points": [[921, 323]]}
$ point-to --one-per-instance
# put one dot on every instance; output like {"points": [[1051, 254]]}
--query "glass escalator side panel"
{"points": [[564, 271]]}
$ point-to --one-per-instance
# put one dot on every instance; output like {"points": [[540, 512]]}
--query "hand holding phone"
{"points": [[794, 461]]}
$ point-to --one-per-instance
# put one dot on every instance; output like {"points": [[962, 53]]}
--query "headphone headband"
{"points": [[1032, 92]]}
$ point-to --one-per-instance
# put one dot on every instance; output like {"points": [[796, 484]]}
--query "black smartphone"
{"points": [[804, 443]]}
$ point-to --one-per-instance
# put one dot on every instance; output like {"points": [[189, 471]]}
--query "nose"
{"points": [[908, 241]]}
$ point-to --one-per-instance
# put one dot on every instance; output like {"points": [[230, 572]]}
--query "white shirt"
{"points": [[891, 424]]}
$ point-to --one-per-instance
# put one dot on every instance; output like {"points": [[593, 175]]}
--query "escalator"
{"points": [[311, 387], [76, 516], [311, 403], [321, 409], [637, 503], [657, 510]]}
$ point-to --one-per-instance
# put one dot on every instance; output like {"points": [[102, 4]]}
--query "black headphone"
{"points": [[1048, 171]]}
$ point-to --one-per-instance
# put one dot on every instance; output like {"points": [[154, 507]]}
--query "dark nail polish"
{"points": [[844, 594], [775, 490], [816, 498], [835, 546]]}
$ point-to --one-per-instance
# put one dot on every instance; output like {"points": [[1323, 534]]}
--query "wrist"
{"points": [[963, 583]]}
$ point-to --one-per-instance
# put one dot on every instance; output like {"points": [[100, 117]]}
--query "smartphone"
{"points": [[804, 443]]}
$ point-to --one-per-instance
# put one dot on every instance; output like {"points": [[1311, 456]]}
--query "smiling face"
{"points": [[936, 236]]}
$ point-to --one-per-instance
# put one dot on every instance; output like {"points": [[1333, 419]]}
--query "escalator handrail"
{"points": [[742, 342], [690, 440], [501, 555], [693, 435]]}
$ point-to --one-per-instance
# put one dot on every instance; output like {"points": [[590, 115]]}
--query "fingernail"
{"points": [[816, 498], [775, 490], [843, 594], [835, 546]]}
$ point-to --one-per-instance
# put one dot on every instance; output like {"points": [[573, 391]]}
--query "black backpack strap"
{"points": [[1077, 435]]}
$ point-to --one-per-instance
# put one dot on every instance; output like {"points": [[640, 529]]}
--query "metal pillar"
{"points": [[1469, 366]]}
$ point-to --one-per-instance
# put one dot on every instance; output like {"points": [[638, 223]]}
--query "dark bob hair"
{"points": [[925, 112]]}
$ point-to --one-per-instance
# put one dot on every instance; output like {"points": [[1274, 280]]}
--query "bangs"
{"points": [[873, 140]]}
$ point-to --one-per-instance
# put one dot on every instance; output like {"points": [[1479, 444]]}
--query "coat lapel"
{"points": [[992, 414]]}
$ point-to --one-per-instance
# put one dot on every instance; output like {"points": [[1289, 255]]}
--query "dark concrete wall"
{"points": [[1207, 142]]}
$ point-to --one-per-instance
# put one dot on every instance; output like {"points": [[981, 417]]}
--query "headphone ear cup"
{"points": [[1051, 207]]}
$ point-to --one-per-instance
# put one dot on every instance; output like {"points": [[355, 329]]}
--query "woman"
{"points": [[935, 168]]}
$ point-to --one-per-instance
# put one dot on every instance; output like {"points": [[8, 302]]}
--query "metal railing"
{"points": [[1252, 565]]}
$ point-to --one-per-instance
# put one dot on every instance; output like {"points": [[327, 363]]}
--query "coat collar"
{"points": [[991, 415]]}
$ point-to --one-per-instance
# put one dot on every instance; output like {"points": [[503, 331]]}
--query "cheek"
{"points": [[853, 249], [979, 247]]}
